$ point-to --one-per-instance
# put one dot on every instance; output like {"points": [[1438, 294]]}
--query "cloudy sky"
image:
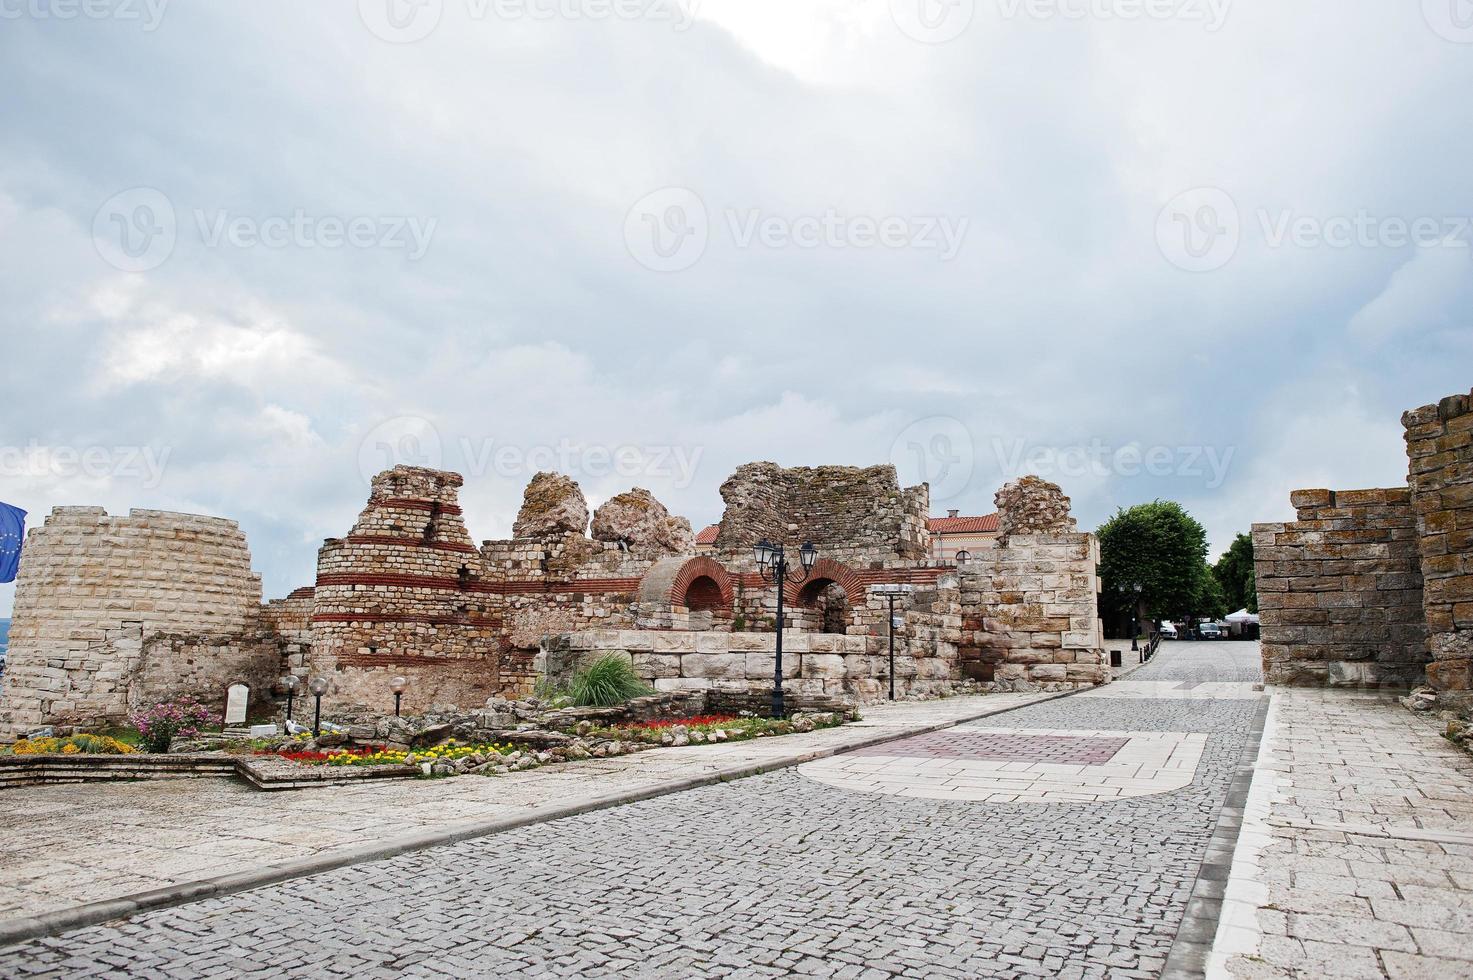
{"points": [[1196, 249]]}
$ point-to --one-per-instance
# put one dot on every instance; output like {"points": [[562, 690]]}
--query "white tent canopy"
{"points": [[1242, 616]]}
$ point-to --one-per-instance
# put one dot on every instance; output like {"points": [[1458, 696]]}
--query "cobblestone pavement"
{"points": [[774, 875], [1354, 859], [61, 846]]}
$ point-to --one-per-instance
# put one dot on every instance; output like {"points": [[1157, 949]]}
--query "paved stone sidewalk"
{"points": [[774, 875], [64, 846], [1354, 859]]}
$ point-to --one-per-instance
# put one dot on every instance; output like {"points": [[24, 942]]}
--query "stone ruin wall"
{"points": [[852, 515], [552, 578], [1439, 442], [1375, 587], [1031, 611], [407, 592], [1340, 590], [404, 594], [111, 610]]}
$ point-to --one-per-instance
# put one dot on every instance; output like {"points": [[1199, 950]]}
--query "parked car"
{"points": [[1210, 631], [1168, 631]]}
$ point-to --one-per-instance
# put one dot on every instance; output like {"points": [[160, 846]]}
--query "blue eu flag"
{"points": [[12, 533]]}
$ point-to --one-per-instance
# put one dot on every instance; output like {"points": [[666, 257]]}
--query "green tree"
{"points": [[1210, 599], [1234, 572], [1161, 547]]}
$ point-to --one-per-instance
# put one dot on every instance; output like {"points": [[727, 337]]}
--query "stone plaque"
{"points": [[237, 696]]}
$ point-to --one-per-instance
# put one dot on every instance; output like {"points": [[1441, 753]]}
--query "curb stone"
{"points": [[18, 930], [1187, 958]]}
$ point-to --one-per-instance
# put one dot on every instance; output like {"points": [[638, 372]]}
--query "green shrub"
{"points": [[608, 681]]}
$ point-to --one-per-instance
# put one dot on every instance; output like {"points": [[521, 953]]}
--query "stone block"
{"points": [[713, 642], [823, 665], [760, 665], [711, 665], [653, 665]]}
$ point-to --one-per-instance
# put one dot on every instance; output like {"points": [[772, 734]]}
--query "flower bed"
{"points": [[711, 728], [437, 760], [70, 745]]}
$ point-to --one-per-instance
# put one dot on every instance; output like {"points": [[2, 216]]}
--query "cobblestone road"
{"points": [[776, 875]]}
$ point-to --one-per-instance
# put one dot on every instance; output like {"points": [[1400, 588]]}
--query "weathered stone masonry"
{"points": [[116, 612], [1376, 586], [109, 610], [1440, 447], [1340, 590]]}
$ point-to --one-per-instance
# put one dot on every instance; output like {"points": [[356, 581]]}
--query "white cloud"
{"points": [[529, 325], [1432, 293]]}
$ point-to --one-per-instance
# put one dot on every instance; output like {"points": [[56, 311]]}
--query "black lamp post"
{"points": [[290, 682], [398, 685], [893, 592], [318, 688], [1135, 611], [773, 566]]}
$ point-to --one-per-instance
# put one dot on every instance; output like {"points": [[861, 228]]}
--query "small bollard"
{"points": [[1115, 658]]}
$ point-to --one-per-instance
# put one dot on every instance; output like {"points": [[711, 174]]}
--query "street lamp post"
{"points": [[318, 688], [398, 685], [290, 682], [1135, 611], [892, 592], [773, 566]]}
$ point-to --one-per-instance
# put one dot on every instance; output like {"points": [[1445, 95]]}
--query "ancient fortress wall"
{"points": [[1030, 604], [1375, 587], [403, 594], [95, 592], [1340, 590], [113, 611], [1440, 447], [851, 514]]}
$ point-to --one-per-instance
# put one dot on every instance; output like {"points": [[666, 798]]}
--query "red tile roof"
{"points": [[985, 524], [708, 536]]}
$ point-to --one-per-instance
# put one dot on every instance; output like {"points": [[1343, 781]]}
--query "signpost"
{"points": [[893, 592]]}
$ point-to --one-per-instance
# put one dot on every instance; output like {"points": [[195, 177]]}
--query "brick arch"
{"points": [[827, 569], [702, 567]]}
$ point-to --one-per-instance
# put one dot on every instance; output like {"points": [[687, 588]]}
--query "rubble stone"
{"points": [[552, 504], [640, 522]]}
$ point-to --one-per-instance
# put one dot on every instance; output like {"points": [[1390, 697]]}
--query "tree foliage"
{"points": [[1160, 546], [1234, 572]]}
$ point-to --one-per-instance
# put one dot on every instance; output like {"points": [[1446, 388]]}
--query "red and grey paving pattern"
{"points": [[772, 876], [966, 743]]}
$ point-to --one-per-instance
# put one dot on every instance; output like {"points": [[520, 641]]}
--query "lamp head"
{"points": [[763, 551], [399, 685], [809, 554], [318, 686]]}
